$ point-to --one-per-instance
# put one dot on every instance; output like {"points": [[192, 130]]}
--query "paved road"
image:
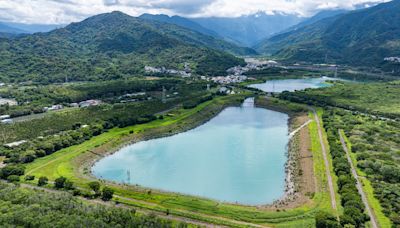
{"points": [[326, 161], [358, 183]]}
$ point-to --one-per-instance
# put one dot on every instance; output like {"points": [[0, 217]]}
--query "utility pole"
{"points": [[208, 87], [128, 174]]}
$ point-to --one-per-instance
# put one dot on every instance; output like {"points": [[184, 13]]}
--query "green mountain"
{"points": [[108, 46], [362, 38], [201, 35], [181, 21]]}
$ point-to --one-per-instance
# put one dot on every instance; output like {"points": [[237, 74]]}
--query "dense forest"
{"points": [[108, 46]]}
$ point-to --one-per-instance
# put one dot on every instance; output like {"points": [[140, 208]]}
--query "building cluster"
{"points": [[393, 59], [229, 79], [163, 70], [236, 74]]}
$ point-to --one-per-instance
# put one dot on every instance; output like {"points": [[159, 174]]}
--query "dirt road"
{"points": [[326, 161], [358, 183]]}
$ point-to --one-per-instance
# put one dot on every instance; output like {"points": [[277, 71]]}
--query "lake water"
{"points": [[238, 156], [278, 86]]}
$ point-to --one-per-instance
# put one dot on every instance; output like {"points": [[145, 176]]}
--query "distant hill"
{"points": [[181, 21], [11, 30], [108, 46], [201, 35], [362, 37], [33, 28], [251, 29]]}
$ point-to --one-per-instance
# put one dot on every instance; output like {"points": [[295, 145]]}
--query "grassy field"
{"points": [[374, 98], [382, 220], [74, 163], [320, 169]]}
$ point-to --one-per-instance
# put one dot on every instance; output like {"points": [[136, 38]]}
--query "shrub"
{"points": [[9, 170], [42, 181], [13, 178], [60, 182], [107, 194], [29, 178]]}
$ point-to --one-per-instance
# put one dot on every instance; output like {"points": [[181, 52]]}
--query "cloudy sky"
{"points": [[66, 11]]}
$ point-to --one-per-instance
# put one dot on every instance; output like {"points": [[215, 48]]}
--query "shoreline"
{"points": [[289, 194]]}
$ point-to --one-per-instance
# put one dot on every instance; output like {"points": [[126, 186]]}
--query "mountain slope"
{"points": [[181, 21], [363, 37], [200, 35], [251, 29], [107, 46]]}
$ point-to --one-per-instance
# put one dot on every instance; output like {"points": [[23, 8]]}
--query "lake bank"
{"points": [[237, 156], [74, 163]]}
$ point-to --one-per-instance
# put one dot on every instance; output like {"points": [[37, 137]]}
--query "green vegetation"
{"points": [[29, 208], [379, 99], [375, 144], [109, 46], [353, 207], [362, 37], [70, 162]]}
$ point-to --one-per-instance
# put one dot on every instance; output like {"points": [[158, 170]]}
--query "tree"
{"points": [[325, 220], [42, 181], [107, 194], [29, 177], [69, 185], [13, 178], [95, 186], [60, 182], [12, 170]]}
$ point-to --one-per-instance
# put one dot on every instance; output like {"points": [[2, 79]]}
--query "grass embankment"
{"points": [[382, 220], [320, 169], [74, 163]]}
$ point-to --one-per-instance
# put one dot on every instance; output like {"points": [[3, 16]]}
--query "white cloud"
{"points": [[66, 11]]}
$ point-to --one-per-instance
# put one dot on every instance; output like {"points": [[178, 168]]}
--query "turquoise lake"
{"points": [[238, 156], [278, 86]]}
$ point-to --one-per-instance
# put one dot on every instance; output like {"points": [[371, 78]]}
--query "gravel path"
{"points": [[358, 183]]}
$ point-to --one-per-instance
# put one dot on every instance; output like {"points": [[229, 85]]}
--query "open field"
{"points": [[74, 163]]}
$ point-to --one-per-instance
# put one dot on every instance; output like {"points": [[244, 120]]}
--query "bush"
{"points": [[9, 170], [29, 178], [60, 182], [42, 181], [95, 186], [13, 178], [69, 185], [325, 220], [107, 194]]}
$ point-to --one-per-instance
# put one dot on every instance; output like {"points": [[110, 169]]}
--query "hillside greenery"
{"points": [[360, 38], [108, 46]]}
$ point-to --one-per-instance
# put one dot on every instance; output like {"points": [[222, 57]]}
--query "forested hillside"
{"points": [[108, 46], [363, 37]]}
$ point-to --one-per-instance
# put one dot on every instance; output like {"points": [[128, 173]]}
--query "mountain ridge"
{"points": [[107, 46]]}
